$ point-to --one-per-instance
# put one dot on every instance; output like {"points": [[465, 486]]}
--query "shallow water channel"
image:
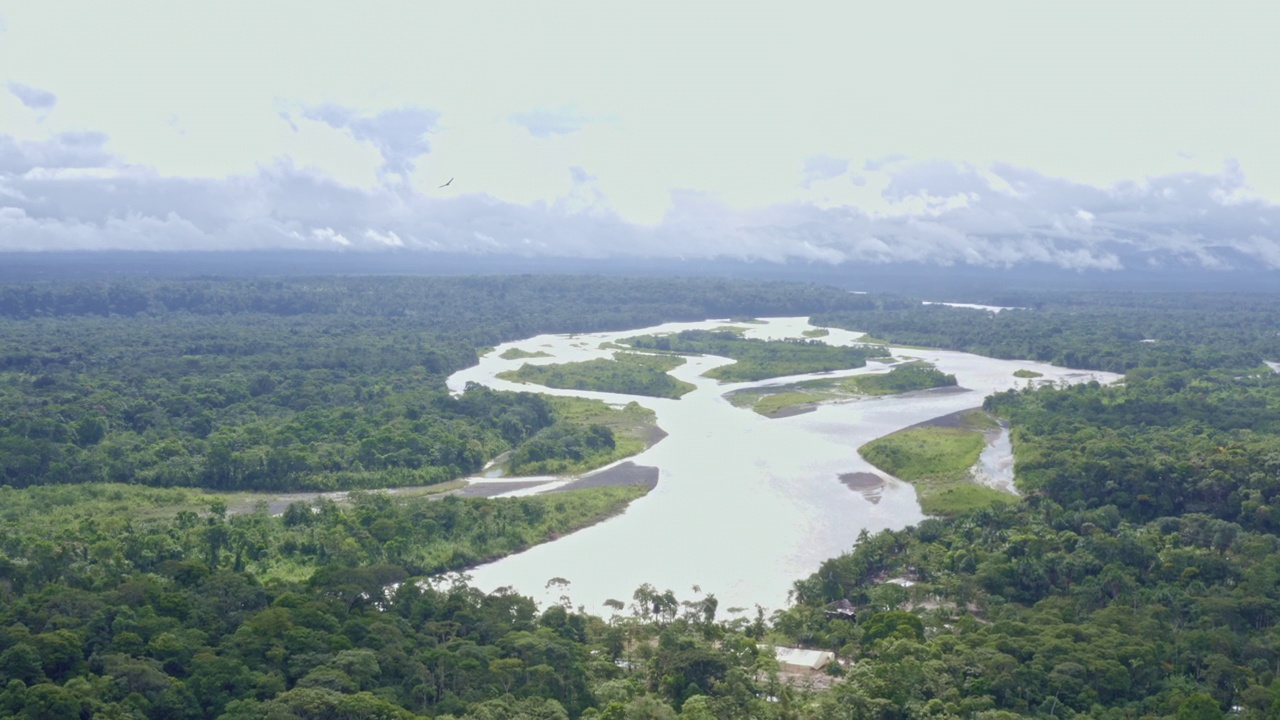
{"points": [[745, 505]]}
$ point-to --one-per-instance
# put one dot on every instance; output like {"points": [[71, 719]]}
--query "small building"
{"points": [[798, 659], [841, 610]]}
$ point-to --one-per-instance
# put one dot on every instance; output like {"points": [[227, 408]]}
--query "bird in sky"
{"points": [[447, 184]]}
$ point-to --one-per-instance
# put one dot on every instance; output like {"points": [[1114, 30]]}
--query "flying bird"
{"points": [[447, 184]]}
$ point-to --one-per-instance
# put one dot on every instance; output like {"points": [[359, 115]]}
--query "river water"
{"points": [[745, 505]]}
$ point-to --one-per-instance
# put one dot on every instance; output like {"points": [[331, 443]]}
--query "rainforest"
{"points": [[226, 498]]}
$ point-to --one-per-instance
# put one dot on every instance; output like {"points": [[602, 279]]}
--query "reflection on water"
{"points": [[745, 505], [995, 464]]}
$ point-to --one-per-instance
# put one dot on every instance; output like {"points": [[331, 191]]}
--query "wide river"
{"points": [[745, 505]]}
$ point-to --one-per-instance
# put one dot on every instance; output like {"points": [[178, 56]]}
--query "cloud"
{"points": [[547, 123], [873, 164], [64, 150], [34, 98], [70, 193], [822, 167], [398, 134]]}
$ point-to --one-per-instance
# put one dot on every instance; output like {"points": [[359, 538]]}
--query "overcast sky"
{"points": [[1073, 133]]}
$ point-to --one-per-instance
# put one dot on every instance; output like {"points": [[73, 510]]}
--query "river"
{"points": [[745, 505]]}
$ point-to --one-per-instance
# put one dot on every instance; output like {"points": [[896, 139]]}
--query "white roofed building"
{"points": [[801, 659]]}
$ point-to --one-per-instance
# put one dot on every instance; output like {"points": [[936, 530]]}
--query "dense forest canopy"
{"points": [[1116, 332], [1137, 578], [315, 383]]}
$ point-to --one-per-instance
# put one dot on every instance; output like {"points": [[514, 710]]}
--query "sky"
{"points": [[1085, 135]]}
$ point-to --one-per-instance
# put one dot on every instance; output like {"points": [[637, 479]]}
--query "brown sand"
{"points": [[869, 484]]}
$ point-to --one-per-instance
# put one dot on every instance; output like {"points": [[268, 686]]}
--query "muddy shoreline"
{"points": [[623, 474], [950, 420]]}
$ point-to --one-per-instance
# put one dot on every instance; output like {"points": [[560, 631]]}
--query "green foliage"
{"points": [[564, 447], [892, 624], [587, 434], [903, 378], [1038, 610], [936, 460], [1026, 374], [923, 452], [1200, 706], [772, 401], [422, 534], [300, 384], [628, 373], [770, 404], [1094, 331], [758, 359], [317, 613], [519, 354], [1160, 444], [1139, 578]]}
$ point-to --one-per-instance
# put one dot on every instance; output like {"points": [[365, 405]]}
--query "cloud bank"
{"points": [[70, 193]]}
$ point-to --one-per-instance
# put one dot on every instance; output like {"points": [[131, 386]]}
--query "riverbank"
{"points": [[938, 457]]}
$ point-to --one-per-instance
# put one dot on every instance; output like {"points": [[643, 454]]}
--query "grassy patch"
{"points": [[816, 333], [1024, 373], [772, 401], [518, 354], [775, 403], [949, 497], [922, 452], [436, 489], [936, 460], [482, 351], [904, 378], [979, 420], [626, 373]]}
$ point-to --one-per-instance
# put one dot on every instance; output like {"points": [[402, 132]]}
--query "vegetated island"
{"points": [[758, 359], [628, 373], [936, 457], [804, 396], [816, 333], [587, 434], [519, 354], [1026, 374]]}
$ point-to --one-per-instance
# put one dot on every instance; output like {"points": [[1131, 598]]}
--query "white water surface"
{"points": [[745, 505], [995, 464], [971, 306]]}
